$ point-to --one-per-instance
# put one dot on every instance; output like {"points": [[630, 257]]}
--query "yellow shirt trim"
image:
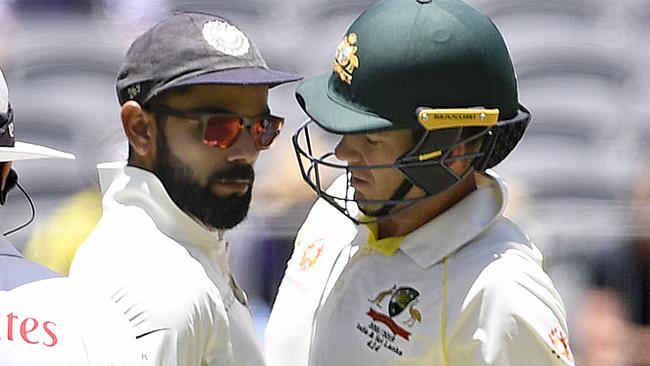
{"points": [[386, 246], [443, 320]]}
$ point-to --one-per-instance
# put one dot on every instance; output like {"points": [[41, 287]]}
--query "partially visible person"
{"points": [[614, 321], [45, 320], [408, 259], [60, 321], [14, 269], [193, 92]]}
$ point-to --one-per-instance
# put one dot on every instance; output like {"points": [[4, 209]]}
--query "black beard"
{"points": [[199, 201]]}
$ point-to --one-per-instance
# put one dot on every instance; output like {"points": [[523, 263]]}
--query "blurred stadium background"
{"points": [[583, 70]]}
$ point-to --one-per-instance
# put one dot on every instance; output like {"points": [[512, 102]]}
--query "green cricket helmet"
{"points": [[434, 66]]}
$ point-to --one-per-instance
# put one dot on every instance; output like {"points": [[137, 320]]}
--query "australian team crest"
{"points": [[392, 308], [398, 301], [346, 60]]}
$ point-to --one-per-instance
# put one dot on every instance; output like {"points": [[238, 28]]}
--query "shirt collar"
{"points": [[387, 246], [458, 225], [7, 249], [132, 186]]}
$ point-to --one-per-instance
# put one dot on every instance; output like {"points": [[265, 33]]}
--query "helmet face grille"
{"points": [[421, 167], [508, 134]]}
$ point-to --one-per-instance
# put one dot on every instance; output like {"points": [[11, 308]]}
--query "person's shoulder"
{"points": [[515, 307], [516, 268], [502, 231], [493, 243], [511, 259], [513, 284], [129, 238], [148, 271], [508, 269]]}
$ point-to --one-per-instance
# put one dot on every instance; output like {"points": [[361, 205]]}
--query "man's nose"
{"points": [[344, 150], [243, 150]]}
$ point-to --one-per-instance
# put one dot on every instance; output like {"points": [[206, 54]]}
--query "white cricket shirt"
{"points": [[59, 321], [466, 288], [168, 274]]}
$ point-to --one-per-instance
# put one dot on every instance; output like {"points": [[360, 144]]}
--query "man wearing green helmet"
{"points": [[407, 258]]}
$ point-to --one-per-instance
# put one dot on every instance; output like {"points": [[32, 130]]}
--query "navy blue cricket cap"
{"points": [[190, 48]]}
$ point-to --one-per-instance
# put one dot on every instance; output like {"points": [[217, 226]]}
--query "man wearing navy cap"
{"points": [[194, 97], [45, 319]]}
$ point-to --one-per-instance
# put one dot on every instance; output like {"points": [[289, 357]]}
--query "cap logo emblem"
{"points": [[346, 60], [133, 90], [226, 38]]}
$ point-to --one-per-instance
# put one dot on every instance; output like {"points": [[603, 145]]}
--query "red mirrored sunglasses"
{"points": [[222, 130]]}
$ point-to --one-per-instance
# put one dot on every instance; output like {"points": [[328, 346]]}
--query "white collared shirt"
{"points": [[167, 273], [60, 321], [466, 288]]}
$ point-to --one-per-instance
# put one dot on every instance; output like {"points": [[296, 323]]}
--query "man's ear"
{"points": [[141, 131]]}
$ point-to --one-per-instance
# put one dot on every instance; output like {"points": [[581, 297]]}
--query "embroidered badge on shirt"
{"points": [[311, 255], [560, 344], [346, 60], [226, 38], [395, 309]]}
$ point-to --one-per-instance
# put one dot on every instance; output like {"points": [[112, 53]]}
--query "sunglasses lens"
{"points": [[222, 131], [266, 130]]}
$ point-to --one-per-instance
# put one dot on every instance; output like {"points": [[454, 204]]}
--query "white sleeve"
{"points": [[318, 244], [512, 316]]}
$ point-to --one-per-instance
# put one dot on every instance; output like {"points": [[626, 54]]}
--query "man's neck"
{"points": [[419, 214]]}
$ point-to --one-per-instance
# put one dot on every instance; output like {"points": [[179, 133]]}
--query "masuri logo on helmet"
{"points": [[436, 66]]}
